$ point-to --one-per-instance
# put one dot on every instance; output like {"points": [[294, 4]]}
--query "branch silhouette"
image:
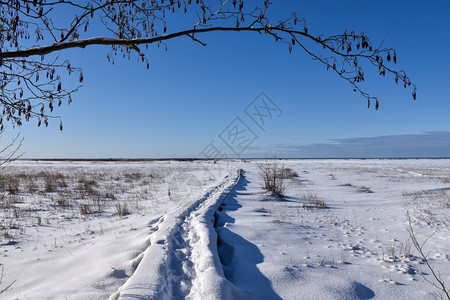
{"points": [[33, 32]]}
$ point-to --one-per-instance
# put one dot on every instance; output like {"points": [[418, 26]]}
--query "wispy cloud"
{"points": [[430, 144]]}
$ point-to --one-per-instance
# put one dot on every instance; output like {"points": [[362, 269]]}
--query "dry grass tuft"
{"points": [[312, 201]]}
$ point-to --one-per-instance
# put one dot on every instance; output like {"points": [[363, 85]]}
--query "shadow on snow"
{"points": [[238, 256]]}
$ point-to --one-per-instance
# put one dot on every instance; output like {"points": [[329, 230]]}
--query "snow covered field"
{"points": [[205, 230]]}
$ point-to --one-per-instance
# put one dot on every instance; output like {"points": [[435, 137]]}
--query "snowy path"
{"points": [[182, 261]]}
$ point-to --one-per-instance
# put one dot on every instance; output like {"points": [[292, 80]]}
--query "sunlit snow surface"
{"points": [[198, 230]]}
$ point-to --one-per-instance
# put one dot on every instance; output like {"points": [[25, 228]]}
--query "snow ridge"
{"points": [[181, 261]]}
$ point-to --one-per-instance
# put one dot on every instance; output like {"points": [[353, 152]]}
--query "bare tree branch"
{"points": [[8, 286], [31, 80], [9, 152], [439, 282]]}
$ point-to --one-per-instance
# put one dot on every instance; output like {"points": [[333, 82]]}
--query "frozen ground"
{"points": [[204, 230]]}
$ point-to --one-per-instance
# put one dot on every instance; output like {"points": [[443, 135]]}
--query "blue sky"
{"points": [[192, 93]]}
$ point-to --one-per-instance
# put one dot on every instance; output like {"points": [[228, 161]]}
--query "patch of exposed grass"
{"points": [[312, 201]]}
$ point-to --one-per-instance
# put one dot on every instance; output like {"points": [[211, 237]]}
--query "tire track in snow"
{"points": [[183, 246]]}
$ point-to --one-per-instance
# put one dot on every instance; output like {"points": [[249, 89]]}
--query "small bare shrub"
{"points": [[49, 185], [85, 209], [31, 184], [86, 187], [398, 251], [110, 196], [61, 202], [10, 183], [312, 201], [98, 202], [122, 209], [446, 179], [274, 177], [133, 176], [325, 262], [52, 181], [13, 187], [366, 189], [427, 216]]}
